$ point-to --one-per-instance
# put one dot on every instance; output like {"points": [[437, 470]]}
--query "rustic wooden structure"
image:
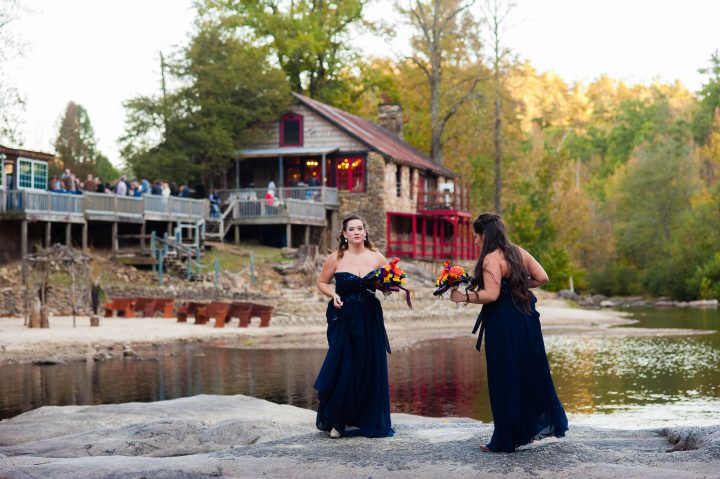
{"points": [[324, 164]]}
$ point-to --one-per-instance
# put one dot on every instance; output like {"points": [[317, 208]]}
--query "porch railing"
{"points": [[30, 201], [298, 209], [443, 200], [42, 202], [173, 206], [321, 194]]}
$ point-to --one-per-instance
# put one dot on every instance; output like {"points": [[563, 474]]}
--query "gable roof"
{"points": [[374, 136]]}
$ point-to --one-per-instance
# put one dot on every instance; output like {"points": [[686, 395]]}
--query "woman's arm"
{"points": [[538, 276], [326, 275], [492, 275]]}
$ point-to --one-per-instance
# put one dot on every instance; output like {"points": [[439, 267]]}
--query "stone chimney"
{"points": [[390, 117]]}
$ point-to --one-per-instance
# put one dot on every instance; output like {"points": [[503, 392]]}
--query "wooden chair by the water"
{"points": [[123, 306], [242, 312], [217, 310], [188, 308], [146, 306], [164, 306], [261, 311]]}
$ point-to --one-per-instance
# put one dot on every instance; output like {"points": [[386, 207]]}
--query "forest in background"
{"points": [[614, 185]]}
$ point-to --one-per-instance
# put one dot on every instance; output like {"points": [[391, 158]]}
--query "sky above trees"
{"points": [[99, 54]]}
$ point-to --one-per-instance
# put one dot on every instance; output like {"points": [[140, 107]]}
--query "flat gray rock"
{"points": [[240, 436]]}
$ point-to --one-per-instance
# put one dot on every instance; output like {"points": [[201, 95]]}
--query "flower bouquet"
{"points": [[389, 278], [451, 278]]}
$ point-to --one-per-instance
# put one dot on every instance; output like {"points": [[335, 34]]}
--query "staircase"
{"points": [[217, 228]]}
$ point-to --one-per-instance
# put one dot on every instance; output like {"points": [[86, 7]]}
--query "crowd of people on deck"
{"points": [[69, 183]]}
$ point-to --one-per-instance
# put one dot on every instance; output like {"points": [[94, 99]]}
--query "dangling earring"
{"points": [[344, 239], [367, 237]]}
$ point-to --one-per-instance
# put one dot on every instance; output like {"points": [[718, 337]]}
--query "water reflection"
{"points": [[631, 379]]}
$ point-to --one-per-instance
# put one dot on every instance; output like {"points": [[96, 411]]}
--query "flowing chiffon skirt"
{"points": [[524, 403], [352, 385]]}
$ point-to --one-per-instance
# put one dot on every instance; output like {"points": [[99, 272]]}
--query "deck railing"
{"points": [[30, 201], [443, 200], [42, 202], [296, 209], [320, 194]]}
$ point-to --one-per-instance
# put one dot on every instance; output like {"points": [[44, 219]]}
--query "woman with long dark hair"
{"points": [[352, 385], [524, 403]]}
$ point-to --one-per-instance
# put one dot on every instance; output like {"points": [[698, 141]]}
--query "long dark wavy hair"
{"points": [[492, 228], [343, 244]]}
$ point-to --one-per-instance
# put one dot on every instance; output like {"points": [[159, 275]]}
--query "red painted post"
{"points": [[414, 236], [435, 238], [424, 235], [455, 238], [388, 235]]}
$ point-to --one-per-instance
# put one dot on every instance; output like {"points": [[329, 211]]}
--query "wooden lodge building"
{"points": [[321, 164], [325, 164]]}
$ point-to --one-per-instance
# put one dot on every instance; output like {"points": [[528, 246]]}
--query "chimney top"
{"points": [[390, 117]]}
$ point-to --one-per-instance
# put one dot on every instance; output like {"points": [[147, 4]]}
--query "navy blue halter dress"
{"points": [[523, 400], [353, 384]]}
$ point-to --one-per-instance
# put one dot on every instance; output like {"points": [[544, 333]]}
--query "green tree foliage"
{"points": [[229, 92], [309, 39], [76, 146], [708, 101]]}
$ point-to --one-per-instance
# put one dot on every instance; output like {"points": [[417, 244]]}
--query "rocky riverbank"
{"points": [[240, 436]]}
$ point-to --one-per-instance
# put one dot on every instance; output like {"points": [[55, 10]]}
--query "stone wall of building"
{"points": [[371, 204], [407, 201]]}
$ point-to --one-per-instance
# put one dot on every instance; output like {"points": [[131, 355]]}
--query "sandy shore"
{"points": [[295, 324]]}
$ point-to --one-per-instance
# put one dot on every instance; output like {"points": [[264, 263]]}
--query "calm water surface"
{"points": [[615, 381]]}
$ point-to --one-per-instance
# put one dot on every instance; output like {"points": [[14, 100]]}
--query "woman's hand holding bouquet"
{"points": [[450, 279], [390, 278]]}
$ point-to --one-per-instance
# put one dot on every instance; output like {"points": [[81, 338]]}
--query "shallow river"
{"points": [[629, 382]]}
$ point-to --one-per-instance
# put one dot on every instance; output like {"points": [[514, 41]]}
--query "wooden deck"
{"points": [[69, 208]]}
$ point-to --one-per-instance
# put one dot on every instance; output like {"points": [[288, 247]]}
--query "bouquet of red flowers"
{"points": [[390, 278], [451, 277]]}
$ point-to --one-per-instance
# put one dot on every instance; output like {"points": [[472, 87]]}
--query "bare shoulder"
{"points": [[493, 258], [379, 258], [332, 259]]}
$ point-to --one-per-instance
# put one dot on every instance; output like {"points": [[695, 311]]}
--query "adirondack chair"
{"points": [[146, 306], [164, 306], [190, 307], [217, 310], [123, 306]]}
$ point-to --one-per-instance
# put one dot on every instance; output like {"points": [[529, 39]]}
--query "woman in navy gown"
{"points": [[524, 403], [353, 384]]}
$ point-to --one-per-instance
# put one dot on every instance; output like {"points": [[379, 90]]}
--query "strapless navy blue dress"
{"points": [[353, 384], [523, 400]]}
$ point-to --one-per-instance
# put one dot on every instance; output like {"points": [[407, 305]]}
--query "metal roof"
{"points": [[374, 136], [285, 151]]}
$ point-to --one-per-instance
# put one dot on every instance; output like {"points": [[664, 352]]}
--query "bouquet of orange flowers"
{"points": [[390, 278], [451, 277]]}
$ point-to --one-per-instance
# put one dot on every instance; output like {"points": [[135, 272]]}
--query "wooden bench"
{"points": [[146, 306], [189, 307], [164, 306], [217, 310], [124, 307], [242, 312], [261, 311]]}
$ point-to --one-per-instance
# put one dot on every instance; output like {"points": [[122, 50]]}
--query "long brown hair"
{"points": [[342, 241], [492, 228]]}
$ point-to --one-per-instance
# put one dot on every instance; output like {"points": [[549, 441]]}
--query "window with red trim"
{"points": [[291, 130], [350, 174]]}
